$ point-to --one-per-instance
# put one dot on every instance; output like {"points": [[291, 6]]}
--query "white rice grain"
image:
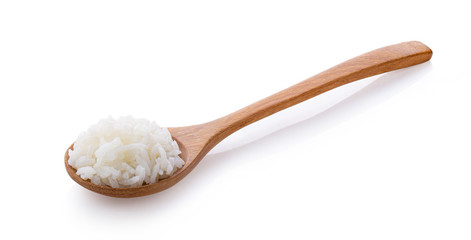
{"points": [[125, 152]]}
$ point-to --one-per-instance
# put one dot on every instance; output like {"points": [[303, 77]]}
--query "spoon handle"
{"points": [[378, 61]]}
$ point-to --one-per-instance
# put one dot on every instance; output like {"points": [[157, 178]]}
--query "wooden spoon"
{"points": [[196, 141]]}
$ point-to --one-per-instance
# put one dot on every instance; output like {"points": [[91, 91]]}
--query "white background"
{"points": [[383, 158]]}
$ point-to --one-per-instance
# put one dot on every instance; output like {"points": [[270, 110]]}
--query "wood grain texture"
{"points": [[196, 141]]}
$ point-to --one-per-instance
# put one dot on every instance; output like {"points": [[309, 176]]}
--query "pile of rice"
{"points": [[125, 152]]}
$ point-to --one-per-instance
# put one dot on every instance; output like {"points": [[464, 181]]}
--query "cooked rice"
{"points": [[125, 152]]}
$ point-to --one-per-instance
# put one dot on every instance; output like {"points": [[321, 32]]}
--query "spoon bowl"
{"points": [[197, 140], [135, 191], [191, 153]]}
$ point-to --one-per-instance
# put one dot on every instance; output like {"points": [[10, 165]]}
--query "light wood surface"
{"points": [[197, 140]]}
